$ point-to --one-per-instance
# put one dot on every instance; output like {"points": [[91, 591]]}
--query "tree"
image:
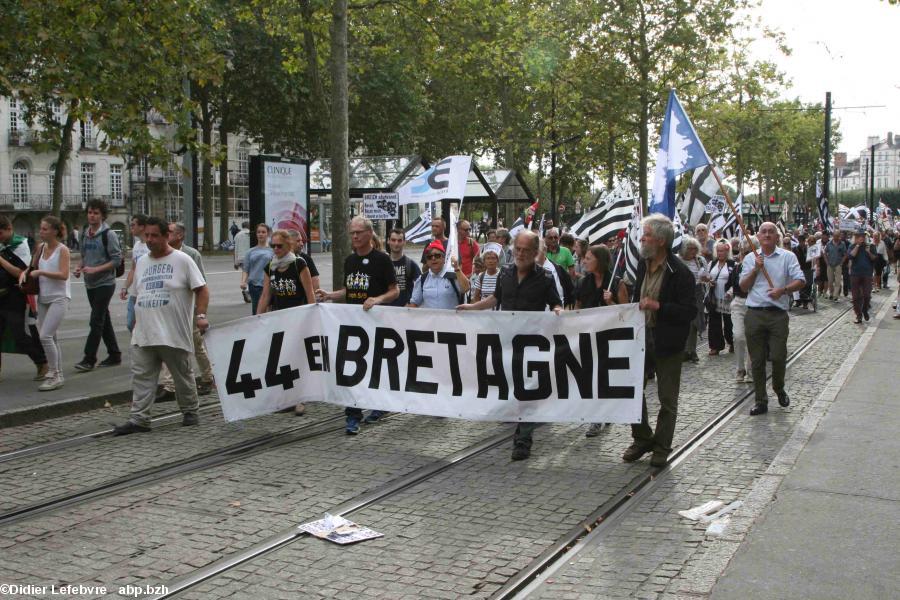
{"points": [[111, 62]]}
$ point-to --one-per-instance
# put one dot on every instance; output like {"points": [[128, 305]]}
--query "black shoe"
{"points": [[759, 409], [164, 395], [659, 459], [634, 452], [866, 315], [520, 452], [784, 399], [112, 360], [190, 419], [129, 427], [84, 366]]}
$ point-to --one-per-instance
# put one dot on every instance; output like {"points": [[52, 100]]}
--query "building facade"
{"points": [[857, 173]]}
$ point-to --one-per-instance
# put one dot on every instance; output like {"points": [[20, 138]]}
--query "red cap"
{"points": [[621, 234], [436, 245]]}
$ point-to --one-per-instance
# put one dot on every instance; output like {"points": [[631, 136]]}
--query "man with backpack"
{"points": [[434, 290], [101, 263], [405, 268]]}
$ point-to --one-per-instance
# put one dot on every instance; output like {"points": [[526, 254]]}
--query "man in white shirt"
{"points": [[138, 249], [241, 245], [171, 298], [766, 321]]}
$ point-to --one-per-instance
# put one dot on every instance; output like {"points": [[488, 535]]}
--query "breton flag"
{"points": [[843, 211], [732, 229], [609, 218], [859, 213], [632, 242], [703, 188], [680, 150], [679, 234], [824, 214], [518, 226], [419, 231]]}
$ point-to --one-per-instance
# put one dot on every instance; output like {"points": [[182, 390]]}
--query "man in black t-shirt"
{"points": [[369, 280], [405, 269]]}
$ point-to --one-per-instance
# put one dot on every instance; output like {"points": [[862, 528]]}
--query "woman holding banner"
{"points": [[595, 289]]}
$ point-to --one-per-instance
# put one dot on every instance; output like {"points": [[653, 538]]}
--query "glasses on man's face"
{"points": [[278, 245], [435, 255], [359, 232]]}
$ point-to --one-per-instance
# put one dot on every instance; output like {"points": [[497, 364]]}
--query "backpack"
{"points": [[120, 268], [451, 277]]}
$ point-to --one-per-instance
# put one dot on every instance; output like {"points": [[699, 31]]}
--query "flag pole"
{"points": [[615, 266], [739, 220]]}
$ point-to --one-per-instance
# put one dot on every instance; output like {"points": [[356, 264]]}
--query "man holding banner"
{"points": [[664, 289], [369, 279], [523, 286]]}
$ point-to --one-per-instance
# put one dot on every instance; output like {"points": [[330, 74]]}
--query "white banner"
{"points": [[381, 207], [445, 180], [582, 366]]}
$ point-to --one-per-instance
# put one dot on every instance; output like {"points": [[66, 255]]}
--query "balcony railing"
{"points": [[39, 202], [20, 137]]}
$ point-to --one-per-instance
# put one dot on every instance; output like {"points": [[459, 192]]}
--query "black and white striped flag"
{"points": [[608, 219], [703, 187], [419, 231], [632, 245], [824, 213], [732, 229]]}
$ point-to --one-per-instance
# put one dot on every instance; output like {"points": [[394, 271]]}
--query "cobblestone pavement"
{"points": [[463, 532], [468, 530]]}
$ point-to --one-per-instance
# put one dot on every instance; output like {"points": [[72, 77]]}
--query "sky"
{"points": [[845, 48]]}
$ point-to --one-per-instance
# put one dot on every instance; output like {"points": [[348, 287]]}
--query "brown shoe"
{"points": [[41, 372], [299, 410], [634, 452]]}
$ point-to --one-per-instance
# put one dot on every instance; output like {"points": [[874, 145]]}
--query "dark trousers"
{"points": [[524, 433], [14, 319], [720, 330], [879, 271], [101, 323], [668, 384], [351, 411], [861, 286], [255, 293], [767, 331], [846, 278]]}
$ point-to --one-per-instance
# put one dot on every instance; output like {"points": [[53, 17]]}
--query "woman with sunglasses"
{"points": [[286, 279], [433, 290]]}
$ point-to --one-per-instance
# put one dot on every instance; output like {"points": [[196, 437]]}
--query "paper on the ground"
{"points": [[339, 530], [695, 513], [722, 512], [717, 527]]}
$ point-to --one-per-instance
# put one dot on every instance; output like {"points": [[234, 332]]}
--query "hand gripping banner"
{"points": [[581, 366]]}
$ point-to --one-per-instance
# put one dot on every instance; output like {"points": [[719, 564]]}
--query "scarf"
{"points": [[284, 262]]}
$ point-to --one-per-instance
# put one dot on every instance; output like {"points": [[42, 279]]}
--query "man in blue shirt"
{"points": [[766, 322], [862, 266]]}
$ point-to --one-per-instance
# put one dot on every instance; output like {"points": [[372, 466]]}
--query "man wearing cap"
{"points": [[862, 258], [766, 321], [522, 286]]}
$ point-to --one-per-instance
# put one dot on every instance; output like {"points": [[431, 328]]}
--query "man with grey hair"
{"points": [[766, 321], [664, 289], [369, 280], [524, 286], [559, 255]]}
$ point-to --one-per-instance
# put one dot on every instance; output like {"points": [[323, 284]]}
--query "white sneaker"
{"points": [[741, 375], [51, 383]]}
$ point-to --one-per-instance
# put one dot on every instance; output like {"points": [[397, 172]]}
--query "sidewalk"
{"points": [[833, 527]]}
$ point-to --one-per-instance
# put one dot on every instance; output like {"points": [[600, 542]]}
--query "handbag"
{"points": [[31, 286]]}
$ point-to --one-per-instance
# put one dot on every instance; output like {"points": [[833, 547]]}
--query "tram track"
{"points": [[521, 583], [162, 420], [206, 460]]}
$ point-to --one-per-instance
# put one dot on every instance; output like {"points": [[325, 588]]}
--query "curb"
{"points": [[50, 410], [699, 580]]}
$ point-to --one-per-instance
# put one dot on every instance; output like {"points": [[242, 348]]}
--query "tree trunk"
{"points": [[643, 134], [312, 56], [65, 150], [610, 156], [224, 197], [340, 144], [206, 127]]}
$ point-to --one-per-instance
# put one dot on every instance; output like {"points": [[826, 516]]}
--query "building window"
{"points": [[16, 118], [20, 181], [115, 183], [87, 181], [243, 161], [141, 172], [58, 112], [87, 139]]}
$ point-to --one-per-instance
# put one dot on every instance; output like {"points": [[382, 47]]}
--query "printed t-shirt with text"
{"points": [[285, 286], [407, 272], [367, 276], [165, 301]]}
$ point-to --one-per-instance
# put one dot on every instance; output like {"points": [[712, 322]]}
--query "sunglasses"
{"points": [[278, 245], [435, 255]]}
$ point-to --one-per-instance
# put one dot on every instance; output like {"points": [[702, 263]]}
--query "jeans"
{"points": [[50, 316], [101, 324], [255, 293]]}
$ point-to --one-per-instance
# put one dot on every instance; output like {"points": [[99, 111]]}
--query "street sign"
{"points": [[380, 207]]}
